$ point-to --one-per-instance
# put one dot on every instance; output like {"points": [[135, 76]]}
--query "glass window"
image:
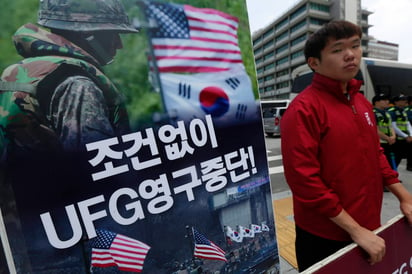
{"points": [[281, 23], [298, 12], [298, 40], [298, 26], [319, 7], [282, 61]]}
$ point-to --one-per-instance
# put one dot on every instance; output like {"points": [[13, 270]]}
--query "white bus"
{"points": [[379, 76], [271, 104]]}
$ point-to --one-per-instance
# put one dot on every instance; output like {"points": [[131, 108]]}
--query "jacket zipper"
{"points": [[353, 109]]}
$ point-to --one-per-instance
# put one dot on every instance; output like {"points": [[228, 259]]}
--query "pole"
{"points": [[152, 65], [6, 246]]}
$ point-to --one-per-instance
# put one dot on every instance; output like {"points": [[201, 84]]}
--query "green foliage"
{"points": [[13, 14], [130, 69]]}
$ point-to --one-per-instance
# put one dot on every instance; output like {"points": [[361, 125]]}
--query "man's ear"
{"points": [[313, 63]]}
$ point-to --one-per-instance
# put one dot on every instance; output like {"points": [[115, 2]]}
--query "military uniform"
{"points": [[58, 97], [52, 103]]}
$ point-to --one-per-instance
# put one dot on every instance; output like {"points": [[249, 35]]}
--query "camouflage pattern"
{"points": [[84, 15], [23, 120]]}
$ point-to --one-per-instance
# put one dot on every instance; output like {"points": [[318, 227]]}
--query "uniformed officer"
{"points": [[403, 130], [386, 131]]}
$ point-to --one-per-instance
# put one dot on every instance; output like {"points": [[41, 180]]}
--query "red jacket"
{"points": [[332, 158]]}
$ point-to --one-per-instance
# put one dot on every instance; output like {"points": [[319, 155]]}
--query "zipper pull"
{"points": [[353, 109]]}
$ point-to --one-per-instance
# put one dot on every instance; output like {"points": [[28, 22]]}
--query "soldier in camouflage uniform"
{"points": [[58, 97]]}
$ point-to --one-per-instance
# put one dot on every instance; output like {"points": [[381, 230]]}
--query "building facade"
{"points": [[383, 50], [278, 48]]}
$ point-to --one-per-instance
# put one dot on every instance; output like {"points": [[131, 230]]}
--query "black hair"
{"points": [[337, 29]]}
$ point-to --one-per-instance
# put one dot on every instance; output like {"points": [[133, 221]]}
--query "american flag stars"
{"points": [[174, 21]]}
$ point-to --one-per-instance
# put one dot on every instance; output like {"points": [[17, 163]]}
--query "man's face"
{"points": [[401, 103], [104, 44], [340, 59], [110, 40], [382, 104]]}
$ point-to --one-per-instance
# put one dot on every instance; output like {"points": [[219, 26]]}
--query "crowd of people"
{"points": [[394, 121]]}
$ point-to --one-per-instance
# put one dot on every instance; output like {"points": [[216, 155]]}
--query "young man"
{"points": [[386, 131], [331, 154]]}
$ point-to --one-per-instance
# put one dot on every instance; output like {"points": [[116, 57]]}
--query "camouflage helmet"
{"points": [[84, 15]]}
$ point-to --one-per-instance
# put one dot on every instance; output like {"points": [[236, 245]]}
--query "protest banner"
{"points": [[160, 195], [397, 234]]}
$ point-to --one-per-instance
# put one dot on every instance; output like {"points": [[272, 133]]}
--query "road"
{"points": [[280, 188], [278, 182]]}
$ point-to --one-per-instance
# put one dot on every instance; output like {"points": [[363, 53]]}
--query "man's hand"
{"points": [[366, 239], [371, 243], [406, 208], [405, 199]]}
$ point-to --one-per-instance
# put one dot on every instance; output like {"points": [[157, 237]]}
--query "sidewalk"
{"points": [[390, 209]]}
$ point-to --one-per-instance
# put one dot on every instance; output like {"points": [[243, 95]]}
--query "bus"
{"points": [[379, 76], [272, 104]]}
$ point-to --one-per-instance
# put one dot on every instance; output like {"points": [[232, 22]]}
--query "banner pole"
{"points": [[152, 63], [6, 246]]}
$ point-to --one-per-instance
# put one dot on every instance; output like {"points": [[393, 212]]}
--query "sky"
{"points": [[391, 20]]}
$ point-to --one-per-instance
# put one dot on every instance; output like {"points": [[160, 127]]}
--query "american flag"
{"points": [[206, 249], [193, 40], [112, 249]]}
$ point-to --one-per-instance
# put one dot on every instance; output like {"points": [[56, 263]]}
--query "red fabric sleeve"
{"points": [[301, 134]]}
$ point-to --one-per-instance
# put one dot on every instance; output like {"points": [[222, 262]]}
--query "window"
{"points": [[319, 7], [268, 33], [316, 21], [298, 12], [270, 66], [298, 40], [269, 88], [297, 54], [268, 56], [282, 85], [257, 51], [269, 77], [281, 23], [298, 26], [268, 45], [282, 36], [257, 40], [282, 73], [282, 48], [282, 61]]}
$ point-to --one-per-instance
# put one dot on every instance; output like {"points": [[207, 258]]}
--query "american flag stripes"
{"points": [[193, 40], [206, 249], [111, 249]]}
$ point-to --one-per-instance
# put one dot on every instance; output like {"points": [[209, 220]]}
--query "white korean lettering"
{"points": [[138, 143]]}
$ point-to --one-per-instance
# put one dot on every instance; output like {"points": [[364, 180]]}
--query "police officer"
{"points": [[403, 130], [386, 131], [65, 98]]}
